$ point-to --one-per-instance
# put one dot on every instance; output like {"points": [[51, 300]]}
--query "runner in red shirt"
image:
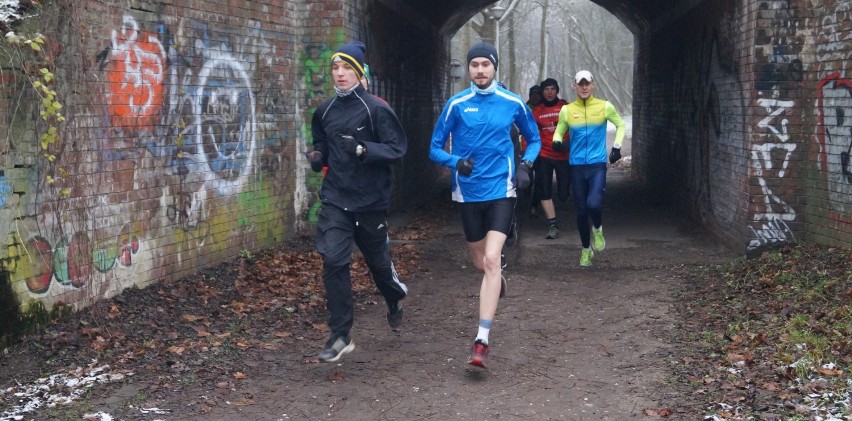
{"points": [[553, 157]]}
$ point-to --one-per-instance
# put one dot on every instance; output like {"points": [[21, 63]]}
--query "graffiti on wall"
{"points": [[317, 74], [770, 225], [316, 66], [710, 121], [135, 89], [834, 104], [188, 157], [5, 188], [774, 147], [834, 110]]}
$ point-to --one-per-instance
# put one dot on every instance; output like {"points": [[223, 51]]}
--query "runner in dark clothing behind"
{"points": [[533, 99]]}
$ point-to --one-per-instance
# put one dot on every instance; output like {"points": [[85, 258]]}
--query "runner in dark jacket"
{"points": [[358, 137]]}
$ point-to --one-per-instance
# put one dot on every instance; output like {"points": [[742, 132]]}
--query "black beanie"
{"points": [[352, 53], [483, 49], [550, 82], [535, 89]]}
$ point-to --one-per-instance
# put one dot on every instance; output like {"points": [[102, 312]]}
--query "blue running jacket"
{"points": [[478, 126]]}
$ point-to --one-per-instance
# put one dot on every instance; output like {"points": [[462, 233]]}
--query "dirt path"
{"points": [[567, 343]]}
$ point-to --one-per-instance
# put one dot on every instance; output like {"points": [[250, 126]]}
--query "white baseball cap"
{"points": [[583, 74]]}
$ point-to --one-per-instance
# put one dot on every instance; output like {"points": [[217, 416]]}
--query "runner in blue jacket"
{"points": [[477, 121]]}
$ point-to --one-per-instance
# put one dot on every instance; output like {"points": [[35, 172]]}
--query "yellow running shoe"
{"points": [[586, 257], [598, 241]]}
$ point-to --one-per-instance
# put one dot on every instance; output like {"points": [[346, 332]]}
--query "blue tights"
{"points": [[588, 183]]}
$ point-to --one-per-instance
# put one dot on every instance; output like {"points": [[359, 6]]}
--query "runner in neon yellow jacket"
{"points": [[585, 119], [585, 122]]}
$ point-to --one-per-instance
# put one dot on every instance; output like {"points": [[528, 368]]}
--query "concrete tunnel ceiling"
{"points": [[636, 15]]}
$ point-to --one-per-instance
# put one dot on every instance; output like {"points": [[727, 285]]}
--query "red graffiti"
{"points": [[79, 259], [128, 245], [835, 144], [42, 257], [135, 76]]}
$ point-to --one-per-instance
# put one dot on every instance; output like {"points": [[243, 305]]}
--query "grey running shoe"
{"points": [[336, 348], [395, 314], [552, 232]]}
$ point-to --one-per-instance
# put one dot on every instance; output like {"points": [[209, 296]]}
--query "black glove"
{"points": [[522, 176], [350, 146], [559, 146], [464, 167], [614, 155], [315, 157]]}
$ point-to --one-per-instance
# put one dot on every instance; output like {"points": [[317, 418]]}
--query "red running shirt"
{"points": [[546, 118]]}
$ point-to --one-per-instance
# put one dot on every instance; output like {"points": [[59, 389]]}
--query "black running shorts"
{"points": [[480, 217]]}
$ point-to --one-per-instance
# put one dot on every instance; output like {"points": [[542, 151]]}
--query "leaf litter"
{"points": [[767, 338], [199, 327]]}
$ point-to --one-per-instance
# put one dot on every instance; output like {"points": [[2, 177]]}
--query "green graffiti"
{"points": [[254, 202], [104, 257], [60, 262], [316, 64]]}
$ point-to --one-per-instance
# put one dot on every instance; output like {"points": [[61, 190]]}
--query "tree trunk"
{"points": [[542, 39], [512, 77]]}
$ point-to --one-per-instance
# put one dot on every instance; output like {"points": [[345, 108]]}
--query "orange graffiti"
{"points": [[135, 88]]}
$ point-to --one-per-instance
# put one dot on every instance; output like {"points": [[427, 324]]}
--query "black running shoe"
{"points": [[395, 314], [336, 348]]}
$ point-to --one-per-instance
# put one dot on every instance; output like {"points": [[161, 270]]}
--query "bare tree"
{"points": [[556, 38]]}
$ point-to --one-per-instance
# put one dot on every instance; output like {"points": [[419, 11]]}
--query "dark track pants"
{"points": [[336, 230]]}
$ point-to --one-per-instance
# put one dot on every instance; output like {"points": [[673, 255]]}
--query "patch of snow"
{"points": [[58, 389], [9, 10]]}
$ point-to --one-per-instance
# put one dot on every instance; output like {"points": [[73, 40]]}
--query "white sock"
{"points": [[484, 328]]}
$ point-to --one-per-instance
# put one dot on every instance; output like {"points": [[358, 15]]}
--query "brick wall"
{"points": [[180, 149], [740, 120], [827, 181]]}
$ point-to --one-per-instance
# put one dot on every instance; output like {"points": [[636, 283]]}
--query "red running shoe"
{"points": [[478, 354]]}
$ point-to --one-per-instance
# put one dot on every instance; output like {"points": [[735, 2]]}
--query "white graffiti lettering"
{"points": [[770, 226], [773, 232], [765, 123]]}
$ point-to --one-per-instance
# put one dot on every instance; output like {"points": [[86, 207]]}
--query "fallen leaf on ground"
{"points": [[658, 412]]}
